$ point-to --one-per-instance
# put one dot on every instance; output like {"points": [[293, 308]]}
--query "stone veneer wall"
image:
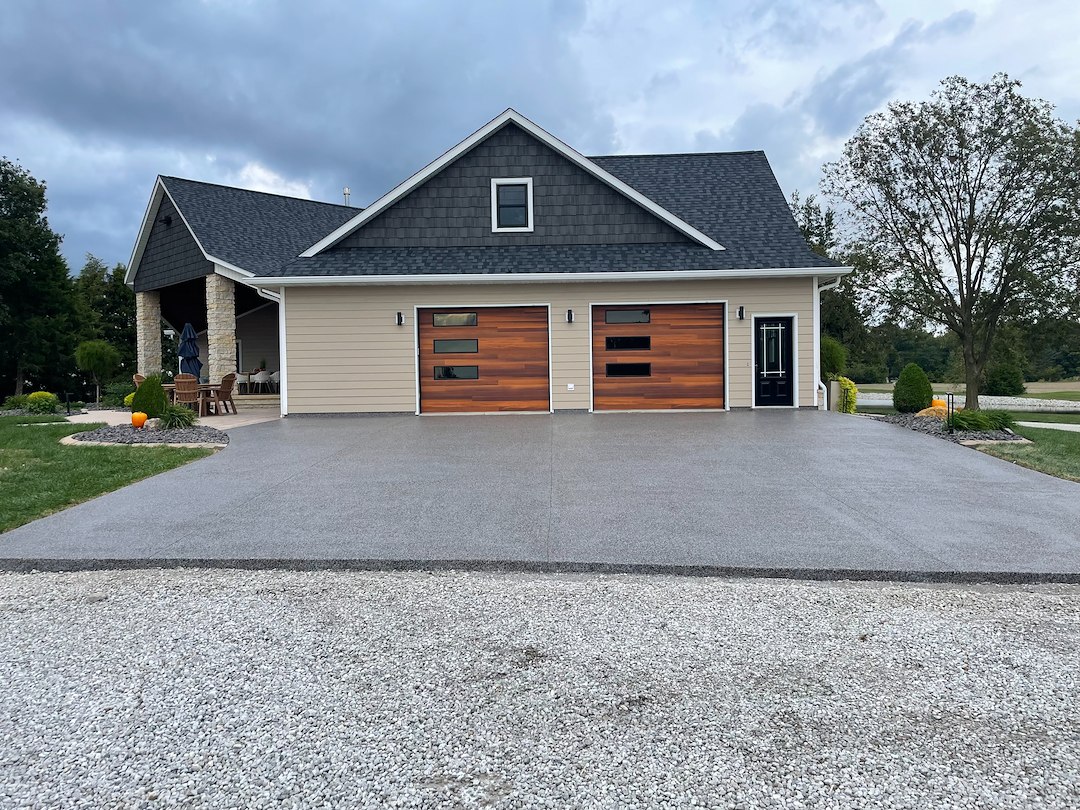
{"points": [[220, 326], [148, 331]]}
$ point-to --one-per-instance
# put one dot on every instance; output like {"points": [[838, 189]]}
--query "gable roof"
{"points": [[493, 126], [248, 232], [731, 196]]}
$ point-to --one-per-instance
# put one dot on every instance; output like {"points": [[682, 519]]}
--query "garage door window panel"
{"points": [[628, 343], [453, 319], [457, 372], [456, 346], [629, 369], [627, 316]]}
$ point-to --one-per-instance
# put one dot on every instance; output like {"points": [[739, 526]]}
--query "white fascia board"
{"points": [[510, 116], [537, 278], [144, 231], [223, 268]]}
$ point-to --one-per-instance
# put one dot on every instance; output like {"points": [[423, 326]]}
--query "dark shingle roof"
{"points": [[253, 230], [732, 197]]}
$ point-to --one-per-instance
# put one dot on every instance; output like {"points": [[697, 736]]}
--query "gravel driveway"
{"points": [[217, 688]]}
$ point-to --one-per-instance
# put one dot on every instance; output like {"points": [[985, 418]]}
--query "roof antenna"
{"points": [[347, 194]]}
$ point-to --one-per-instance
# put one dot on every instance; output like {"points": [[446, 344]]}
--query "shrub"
{"points": [[16, 402], [129, 399], [833, 358], [42, 402], [1004, 380], [866, 373], [113, 394], [912, 391], [150, 397], [175, 416], [848, 395], [982, 420]]}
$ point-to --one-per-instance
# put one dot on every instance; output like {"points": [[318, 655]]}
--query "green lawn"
{"points": [[1072, 396], [1055, 452], [38, 475], [1029, 416]]}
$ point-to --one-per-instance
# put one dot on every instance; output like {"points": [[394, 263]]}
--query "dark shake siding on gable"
{"points": [[570, 206], [171, 254]]}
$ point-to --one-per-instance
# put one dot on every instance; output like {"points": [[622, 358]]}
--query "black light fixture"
{"points": [[166, 220], [740, 313], [569, 316], [400, 319]]}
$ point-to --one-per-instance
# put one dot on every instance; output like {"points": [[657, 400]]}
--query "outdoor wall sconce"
{"points": [[166, 220], [740, 313], [569, 316], [400, 319]]}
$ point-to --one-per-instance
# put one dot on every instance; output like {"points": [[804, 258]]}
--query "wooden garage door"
{"points": [[658, 357], [483, 359]]}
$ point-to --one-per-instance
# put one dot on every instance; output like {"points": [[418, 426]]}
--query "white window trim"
{"points": [[511, 181]]}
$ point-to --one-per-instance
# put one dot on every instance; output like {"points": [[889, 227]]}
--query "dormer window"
{"points": [[511, 205]]}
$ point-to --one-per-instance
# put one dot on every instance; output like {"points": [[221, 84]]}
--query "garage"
{"points": [[658, 357], [483, 359]]}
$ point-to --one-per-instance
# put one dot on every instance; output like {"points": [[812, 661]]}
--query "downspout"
{"points": [[821, 387]]}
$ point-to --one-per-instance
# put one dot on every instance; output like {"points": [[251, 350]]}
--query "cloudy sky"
{"points": [[302, 97]]}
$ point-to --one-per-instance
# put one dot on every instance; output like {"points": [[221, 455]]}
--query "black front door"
{"points": [[774, 380]]}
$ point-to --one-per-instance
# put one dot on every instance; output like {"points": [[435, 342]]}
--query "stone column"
{"points": [[148, 331], [220, 326]]}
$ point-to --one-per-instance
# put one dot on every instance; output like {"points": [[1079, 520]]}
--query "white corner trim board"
{"points": [[493, 126]]}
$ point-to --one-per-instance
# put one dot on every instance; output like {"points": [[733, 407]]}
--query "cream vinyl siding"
{"points": [[346, 353]]}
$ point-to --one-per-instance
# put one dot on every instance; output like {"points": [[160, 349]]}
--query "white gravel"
{"points": [[986, 402], [337, 689]]}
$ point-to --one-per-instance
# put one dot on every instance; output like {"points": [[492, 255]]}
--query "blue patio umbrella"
{"points": [[188, 351]]}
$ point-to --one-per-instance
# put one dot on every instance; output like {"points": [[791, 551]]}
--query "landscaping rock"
{"points": [[221, 689], [126, 434], [935, 426]]}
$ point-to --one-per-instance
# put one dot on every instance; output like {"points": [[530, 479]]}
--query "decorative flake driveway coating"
{"points": [[349, 689], [761, 490]]}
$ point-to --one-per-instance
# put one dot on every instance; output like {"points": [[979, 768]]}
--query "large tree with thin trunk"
{"points": [[970, 203], [39, 318]]}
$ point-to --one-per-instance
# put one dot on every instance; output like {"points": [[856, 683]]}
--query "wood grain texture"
{"points": [[686, 357], [512, 358]]}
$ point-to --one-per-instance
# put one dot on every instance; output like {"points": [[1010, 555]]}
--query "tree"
{"points": [[968, 202], [110, 307], [38, 314], [99, 359]]}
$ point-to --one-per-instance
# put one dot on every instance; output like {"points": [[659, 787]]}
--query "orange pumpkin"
{"points": [[138, 419]]}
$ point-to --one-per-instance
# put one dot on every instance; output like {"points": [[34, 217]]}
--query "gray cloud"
{"points": [[321, 92]]}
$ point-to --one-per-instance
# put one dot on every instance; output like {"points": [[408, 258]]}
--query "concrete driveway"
{"points": [[751, 490]]}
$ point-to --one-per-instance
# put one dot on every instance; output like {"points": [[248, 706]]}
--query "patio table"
{"points": [[205, 390]]}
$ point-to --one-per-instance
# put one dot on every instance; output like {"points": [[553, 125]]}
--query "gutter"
{"points": [[546, 278]]}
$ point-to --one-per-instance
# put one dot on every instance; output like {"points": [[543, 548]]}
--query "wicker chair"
{"points": [[187, 393], [222, 395]]}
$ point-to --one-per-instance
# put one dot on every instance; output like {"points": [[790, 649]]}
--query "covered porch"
{"points": [[237, 332]]}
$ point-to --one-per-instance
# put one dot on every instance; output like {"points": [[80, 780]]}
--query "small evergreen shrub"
{"points": [[129, 399], [16, 402], [912, 391], [112, 394], [848, 395], [150, 398], [175, 416], [982, 420], [1004, 380], [42, 402], [833, 358]]}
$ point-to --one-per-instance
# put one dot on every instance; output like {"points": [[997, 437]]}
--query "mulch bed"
{"points": [[126, 434], [932, 426]]}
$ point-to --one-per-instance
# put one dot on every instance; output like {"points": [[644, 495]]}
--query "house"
{"points": [[510, 274]]}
